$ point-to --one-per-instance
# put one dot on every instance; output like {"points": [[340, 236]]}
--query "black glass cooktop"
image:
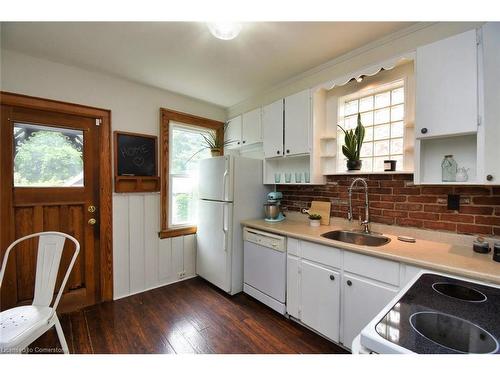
{"points": [[443, 315]]}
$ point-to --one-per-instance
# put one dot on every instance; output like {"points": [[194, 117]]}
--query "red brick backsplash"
{"points": [[395, 200]]}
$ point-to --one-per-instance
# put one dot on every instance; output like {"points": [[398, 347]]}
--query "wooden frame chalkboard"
{"points": [[136, 162]]}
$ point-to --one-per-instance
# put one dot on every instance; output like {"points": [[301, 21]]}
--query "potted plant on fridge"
{"points": [[213, 142], [314, 220], [353, 140]]}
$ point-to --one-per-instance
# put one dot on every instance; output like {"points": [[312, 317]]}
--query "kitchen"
{"points": [[350, 206]]}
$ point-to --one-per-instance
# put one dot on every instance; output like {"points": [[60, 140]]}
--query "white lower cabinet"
{"points": [[292, 286], [363, 300], [320, 299], [337, 292]]}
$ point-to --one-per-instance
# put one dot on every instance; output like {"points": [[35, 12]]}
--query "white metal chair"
{"points": [[22, 325]]}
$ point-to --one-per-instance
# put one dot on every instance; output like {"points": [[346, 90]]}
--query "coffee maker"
{"points": [[272, 209]]}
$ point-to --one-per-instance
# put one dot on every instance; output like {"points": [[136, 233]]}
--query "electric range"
{"points": [[437, 314]]}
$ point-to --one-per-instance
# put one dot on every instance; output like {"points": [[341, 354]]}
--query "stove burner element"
{"points": [[460, 292], [453, 333]]}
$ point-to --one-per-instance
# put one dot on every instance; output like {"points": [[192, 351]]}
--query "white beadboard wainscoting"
{"points": [[141, 260]]}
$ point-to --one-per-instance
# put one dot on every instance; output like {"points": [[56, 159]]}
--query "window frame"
{"points": [[373, 90], [166, 116]]}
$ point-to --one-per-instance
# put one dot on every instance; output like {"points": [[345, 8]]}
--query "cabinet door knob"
{"points": [[244, 141], [278, 152], [489, 177], [332, 277], [349, 282], [238, 142], [423, 130], [287, 151]]}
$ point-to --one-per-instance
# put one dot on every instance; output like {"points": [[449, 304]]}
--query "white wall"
{"points": [[391, 46], [141, 260]]}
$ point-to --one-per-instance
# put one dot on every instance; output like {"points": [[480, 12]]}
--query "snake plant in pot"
{"points": [[214, 141], [353, 140]]}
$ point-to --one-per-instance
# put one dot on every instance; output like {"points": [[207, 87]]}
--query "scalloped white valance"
{"points": [[367, 71]]}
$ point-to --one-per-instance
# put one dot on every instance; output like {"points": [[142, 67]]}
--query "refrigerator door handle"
{"points": [[224, 183], [225, 228]]}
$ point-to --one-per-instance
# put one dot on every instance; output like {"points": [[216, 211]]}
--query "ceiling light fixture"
{"points": [[224, 30]]}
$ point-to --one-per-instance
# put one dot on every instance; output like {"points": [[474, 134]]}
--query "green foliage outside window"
{"points": [[46, 158]]}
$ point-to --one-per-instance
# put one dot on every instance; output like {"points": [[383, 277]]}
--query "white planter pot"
{"points": [[314, 223]]}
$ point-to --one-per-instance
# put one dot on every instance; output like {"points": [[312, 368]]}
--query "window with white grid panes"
{"points": [[383, 115]]}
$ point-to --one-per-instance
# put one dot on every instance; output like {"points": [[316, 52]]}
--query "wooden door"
{"points": [[272, 129], [50, 182], [363, 300], [447, 87], [320, 299]]}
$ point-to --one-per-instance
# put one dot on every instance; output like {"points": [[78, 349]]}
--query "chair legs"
{"points": [[60, 335]]}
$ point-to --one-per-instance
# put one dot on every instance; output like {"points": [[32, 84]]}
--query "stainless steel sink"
{"points": [[357, 238]]}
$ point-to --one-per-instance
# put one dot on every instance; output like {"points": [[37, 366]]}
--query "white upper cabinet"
{"points": [[272, 124], [251, 127], [298, 123], [447, 87], [233, 133], [491, 72]]}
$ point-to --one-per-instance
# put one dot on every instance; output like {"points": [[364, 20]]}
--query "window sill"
{"points": [[176, 232], [366, 173]]}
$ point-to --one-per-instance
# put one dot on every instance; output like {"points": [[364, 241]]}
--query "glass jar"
{"points": [[449, 169]]}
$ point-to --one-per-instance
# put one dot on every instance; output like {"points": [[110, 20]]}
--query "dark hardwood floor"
{"points": [[187, 317]]}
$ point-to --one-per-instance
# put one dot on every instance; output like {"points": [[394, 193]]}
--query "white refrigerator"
{"points": [[230, 190]]}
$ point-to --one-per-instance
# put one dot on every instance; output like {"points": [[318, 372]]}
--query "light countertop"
{"points": [[441, 252]]}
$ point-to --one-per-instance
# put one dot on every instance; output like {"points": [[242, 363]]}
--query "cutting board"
{"points": [[322, 208]]}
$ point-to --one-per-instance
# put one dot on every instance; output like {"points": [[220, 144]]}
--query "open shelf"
{"points": [[290, 164], [432, 152]]}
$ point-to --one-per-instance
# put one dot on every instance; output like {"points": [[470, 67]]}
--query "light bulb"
{"points": [[224, 30]]}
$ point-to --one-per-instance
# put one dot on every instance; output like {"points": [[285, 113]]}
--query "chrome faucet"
{"points": [[366, 222]]}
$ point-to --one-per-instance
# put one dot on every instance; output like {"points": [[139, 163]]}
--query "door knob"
{"points": [[349, 282], [489, 177], [332, 277], [423, 130], [92, 221], [91, 209]]}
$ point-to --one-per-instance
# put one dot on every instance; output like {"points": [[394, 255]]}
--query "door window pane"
{"points": [[47, 156]]}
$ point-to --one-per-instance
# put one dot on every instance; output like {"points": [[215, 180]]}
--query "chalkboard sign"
{"points": [[135, 154]]}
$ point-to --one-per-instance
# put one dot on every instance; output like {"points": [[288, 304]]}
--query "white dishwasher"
{"points": [[264, 270]]}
